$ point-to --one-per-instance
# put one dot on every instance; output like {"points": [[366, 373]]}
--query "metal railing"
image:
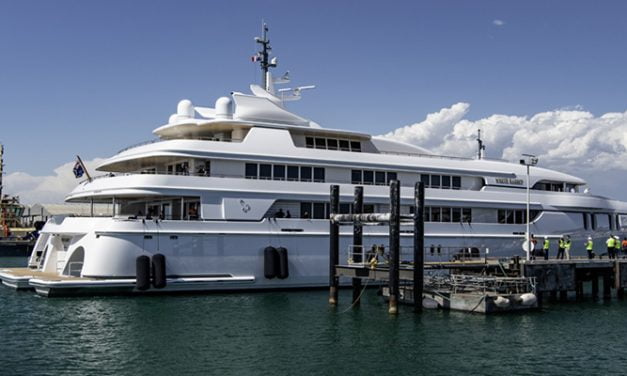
{"points": [[375, 254]]}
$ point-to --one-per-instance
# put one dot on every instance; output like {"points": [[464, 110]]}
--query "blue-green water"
{"points": [[294, 333]]}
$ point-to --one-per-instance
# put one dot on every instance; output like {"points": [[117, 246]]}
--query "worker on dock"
{"points": [[545, 247], [610, 246], [590, 248], [560, 249], [567, 245], [617, 246], [624, 245]]}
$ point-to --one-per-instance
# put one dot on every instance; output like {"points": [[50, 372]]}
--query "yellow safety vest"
{"points": [[546, 245], [589, 245], [610, 243], [567, 244]]}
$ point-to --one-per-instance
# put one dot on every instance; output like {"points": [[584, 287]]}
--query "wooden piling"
{"points": [[395, 240], [419, 245], [334, 245], [358, 241]]}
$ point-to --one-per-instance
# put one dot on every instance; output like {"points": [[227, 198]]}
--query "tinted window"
{"points": [[424, 178], [501, 216], [368, 208], [435, 214], [446, 214], [279, 172], [345, 208], [265, 171], [356, 176], [321, 143], [305, 173], [332, 144], [392, 176], [435, 181], [344, 145], [305, 209], [380, 177], [519, 217], [309, 142], [368, 177], [292, 173], [319, 174], [355, 146], [456, 215], [446, 182], [251, 171], [467, 215], [318, 210], [457, 182]]}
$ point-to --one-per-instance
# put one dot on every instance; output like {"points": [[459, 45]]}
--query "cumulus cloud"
{"points": [[571, 140], [45, 189], [498, 22]]}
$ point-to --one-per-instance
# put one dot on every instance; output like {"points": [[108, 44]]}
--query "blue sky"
{"points": [[90, 77]]}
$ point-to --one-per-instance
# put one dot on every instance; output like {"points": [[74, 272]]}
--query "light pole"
{"points": [[529, 160]]}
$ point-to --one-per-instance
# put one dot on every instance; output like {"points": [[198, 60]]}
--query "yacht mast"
{"points": [[263, 56], [1, 167]]}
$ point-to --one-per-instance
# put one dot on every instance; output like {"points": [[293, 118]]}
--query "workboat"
{"points": [[223, 192]]}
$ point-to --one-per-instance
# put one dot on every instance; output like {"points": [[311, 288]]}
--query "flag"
{"points": [[78, 170], [255, 58]]}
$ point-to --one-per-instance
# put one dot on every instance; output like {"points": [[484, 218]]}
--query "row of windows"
{"points": [[519, 217], [332, 144], [448, 215], [320, 210], [282, 172], [441, 181], [590, 221], [369, 177]]}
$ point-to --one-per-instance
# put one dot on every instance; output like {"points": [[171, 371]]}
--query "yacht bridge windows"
{"points": [[266, 171]]}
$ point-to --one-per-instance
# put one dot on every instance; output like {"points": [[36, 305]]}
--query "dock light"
{"points": [[529, 160]]}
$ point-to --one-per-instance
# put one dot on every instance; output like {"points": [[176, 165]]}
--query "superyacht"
{"points": [[218, 186]]}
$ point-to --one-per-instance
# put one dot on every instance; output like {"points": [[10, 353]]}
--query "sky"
{"points": [[91, 77]]}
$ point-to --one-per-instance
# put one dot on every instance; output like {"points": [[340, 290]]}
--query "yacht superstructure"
{"points": [[221, 184]]}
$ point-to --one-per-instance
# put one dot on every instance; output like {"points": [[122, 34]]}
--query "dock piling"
{"points": [[334, 245], [595, 287], [395, 204], [358, 241], [419, 245], [607, 292]]}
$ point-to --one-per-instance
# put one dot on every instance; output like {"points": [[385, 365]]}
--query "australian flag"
{"points": [[78, 170]]}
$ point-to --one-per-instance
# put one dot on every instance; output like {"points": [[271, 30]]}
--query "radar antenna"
{"points": [[263, 57], [480, 146]]}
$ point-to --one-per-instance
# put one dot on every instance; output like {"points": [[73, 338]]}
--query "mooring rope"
{"points": [[358, 298]]}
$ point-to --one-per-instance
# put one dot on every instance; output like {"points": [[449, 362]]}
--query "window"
{"points": [[391, 176], [309, 142], [435, 214], [265, 171], [251, 171], [424, 178], [519, 217], [446, 214], [446, 182], [368, 208], [356, 146], [279, 172], [368, 177], [319, 210], [305, 173], [321, 143], [427, 214], [593, 221], [305, 209], [617, 222], [318, 174], [435, 181], [456, 215], [610, 220], [345, 208], [379, 177], [356, 176], [344, 146], [332, 144], [466, 215], [457, 182], [585, 221], [292, 174]]}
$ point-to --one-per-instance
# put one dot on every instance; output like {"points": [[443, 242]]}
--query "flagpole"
{"points": [[84, 168]]}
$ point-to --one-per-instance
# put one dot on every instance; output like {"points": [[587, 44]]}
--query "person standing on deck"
{"points": [[567, 244], [610, 246], [545, 247], [560, 249], [589, 248], [617, 246], [624, 244]]}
